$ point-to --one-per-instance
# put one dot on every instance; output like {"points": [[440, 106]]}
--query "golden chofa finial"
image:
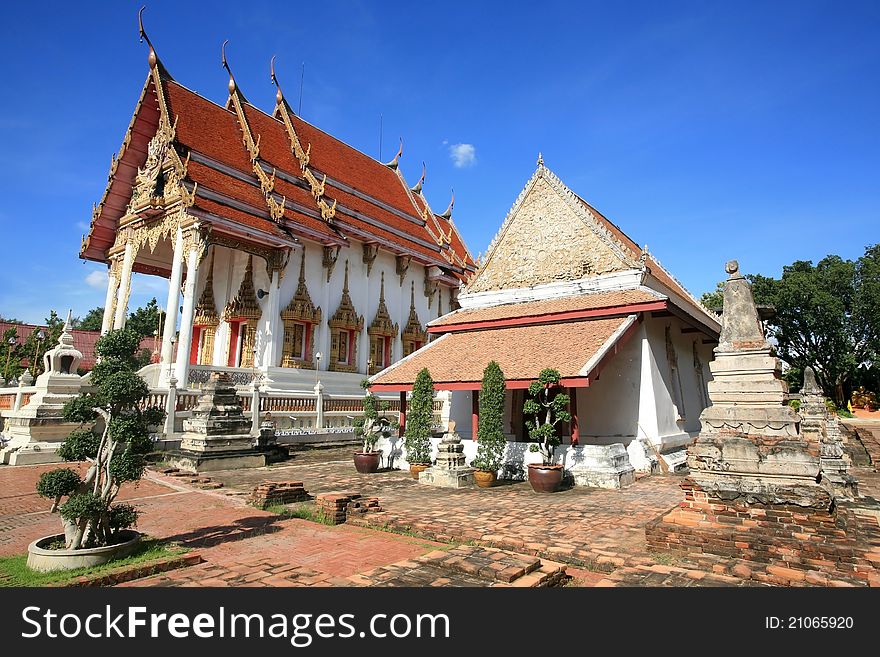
{"points": [[226, 66], [417, 189], [448, 213], [393, 164], [153, 59], [279, 97]]}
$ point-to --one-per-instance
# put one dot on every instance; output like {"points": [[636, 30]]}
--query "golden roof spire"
{"points": [[418, 186], [153, 58], [279, 96], [393, 164]]}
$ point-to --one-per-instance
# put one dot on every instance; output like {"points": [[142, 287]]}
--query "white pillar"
{"points": [[273, 326], [171, 307], [184, 342], [319, 405], [112, 285], [170, 407], [124, 288], [255, 406]]}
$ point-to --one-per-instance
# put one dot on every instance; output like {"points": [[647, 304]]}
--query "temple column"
{"points": [[573, 410], [124, 287], [475, 413], [184, 341], [171, 306], [274, 326], [402, 412], [112, 285]]}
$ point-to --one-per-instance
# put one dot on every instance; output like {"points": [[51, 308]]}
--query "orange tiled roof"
{"points": [[595, 301], [521, 352]]}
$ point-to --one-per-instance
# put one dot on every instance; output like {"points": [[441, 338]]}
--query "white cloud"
{"points": [[97, 279], [463, 155]]}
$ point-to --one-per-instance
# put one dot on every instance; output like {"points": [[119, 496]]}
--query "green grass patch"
{"points": [[15, 572], [303, 510]]}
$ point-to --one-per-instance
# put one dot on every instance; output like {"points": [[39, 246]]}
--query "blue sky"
{"points": [[707, 130]]}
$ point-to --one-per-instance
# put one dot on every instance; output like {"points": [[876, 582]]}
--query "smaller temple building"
{"points": [[562, 287]]}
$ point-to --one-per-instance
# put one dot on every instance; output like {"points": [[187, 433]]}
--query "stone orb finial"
{"points": [[732, 267]]}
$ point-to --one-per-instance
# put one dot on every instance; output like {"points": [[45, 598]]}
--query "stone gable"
{"points": [[544, 240]]}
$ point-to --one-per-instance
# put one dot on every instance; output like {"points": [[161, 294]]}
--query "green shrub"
{"points": [[419, 418], [549, 407], [491, 441]]}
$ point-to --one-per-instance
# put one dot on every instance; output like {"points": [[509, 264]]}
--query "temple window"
{"points": [[345, 326], [300, 320], [242, 314], [205, 323], [381, 331], [414, 336]]}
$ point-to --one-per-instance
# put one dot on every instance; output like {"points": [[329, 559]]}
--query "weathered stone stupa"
{"points": [[217, 437], [36, 430], [766, 484], [450, 469]]}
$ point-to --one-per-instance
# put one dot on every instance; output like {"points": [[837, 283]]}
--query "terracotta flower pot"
{"points": [[416, 468], [366, 462], [485, 478], [545, 478]]}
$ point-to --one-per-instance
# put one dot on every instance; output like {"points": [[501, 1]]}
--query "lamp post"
{"points": [[317, 365], [173, 359], [11, 342], [40, 335]]}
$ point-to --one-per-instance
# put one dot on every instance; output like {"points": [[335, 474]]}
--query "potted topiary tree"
{"points": [[370, 428], [419, 419], [95, 529], [549, 407], [491, 441]]}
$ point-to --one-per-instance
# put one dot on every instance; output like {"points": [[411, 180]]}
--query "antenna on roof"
{"points": [[380, 136], [302, 76]]}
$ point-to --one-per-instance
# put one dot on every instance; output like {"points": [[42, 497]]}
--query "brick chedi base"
{"points": [[336, 507], [270, 493], [842, 543]]}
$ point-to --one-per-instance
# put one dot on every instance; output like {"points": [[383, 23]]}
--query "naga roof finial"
{"points": [[153, 58], [417, 188], [279, 97], [448, 213], [393, 164]]}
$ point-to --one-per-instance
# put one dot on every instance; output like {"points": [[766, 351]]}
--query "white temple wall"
{"points": [[229, 268]]}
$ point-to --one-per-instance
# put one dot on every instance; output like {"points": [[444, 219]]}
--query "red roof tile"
{"points": [[611, 301], [521, 352]]}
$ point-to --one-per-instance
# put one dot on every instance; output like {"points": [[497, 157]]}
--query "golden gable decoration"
{"points": [[301, 319], [345, 328]]}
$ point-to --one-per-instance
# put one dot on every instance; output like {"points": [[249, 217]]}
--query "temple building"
{"points": [[562, 287], [284, 248]]}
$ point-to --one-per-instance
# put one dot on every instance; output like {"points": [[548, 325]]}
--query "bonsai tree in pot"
{"points": [[419, 419], [548, 407], [370, 428], [115, 453], [491, 441]]}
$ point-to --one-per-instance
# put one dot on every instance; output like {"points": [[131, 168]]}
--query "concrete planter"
{"points": [[43, 560]]}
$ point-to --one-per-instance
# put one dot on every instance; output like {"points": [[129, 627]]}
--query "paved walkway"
{"points": [[597, 534]]}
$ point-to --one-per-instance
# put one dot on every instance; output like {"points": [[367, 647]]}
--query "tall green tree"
{"points": [[419, 418], [92, 320], [826, 318], [145, 320], [491, 441]]}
